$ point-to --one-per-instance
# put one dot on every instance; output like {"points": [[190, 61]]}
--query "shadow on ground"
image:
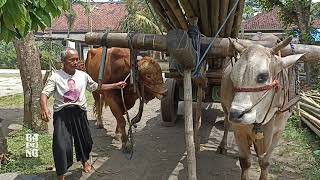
{"points": [[159, 153]]}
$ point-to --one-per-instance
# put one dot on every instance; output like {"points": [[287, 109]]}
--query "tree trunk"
{"points": [[30, 71]]}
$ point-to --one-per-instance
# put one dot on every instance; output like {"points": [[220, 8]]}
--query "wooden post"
{"points": [[188, 118], [197, 122]]}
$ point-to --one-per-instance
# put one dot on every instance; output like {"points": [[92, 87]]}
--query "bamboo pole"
{"points": [[310, 118], [221, 46], [187, 8], [170, 14], [238, 19], [188, 118], [163, 18], [195, 6], [311, 110], [205, 25], [224, 5], [175, 8], [214, 19], [309, 101], [312, 126], [229, 24]]}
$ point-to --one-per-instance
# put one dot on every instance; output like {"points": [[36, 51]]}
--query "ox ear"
{"points": [[287, 61], [290, 60]]}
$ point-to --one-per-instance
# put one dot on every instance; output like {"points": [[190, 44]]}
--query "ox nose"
{"points": [[236, 114]]}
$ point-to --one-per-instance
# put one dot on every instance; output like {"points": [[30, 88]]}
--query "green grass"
{"points": [[13, 101], [304, 149], [16, 101], [17, 154], [16, 143]]}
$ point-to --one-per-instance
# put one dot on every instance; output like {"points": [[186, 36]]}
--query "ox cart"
{"points": [[196, 58]]}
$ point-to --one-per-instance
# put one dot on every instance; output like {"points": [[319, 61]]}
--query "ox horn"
{"points": [[240, 48], [281, 45]]}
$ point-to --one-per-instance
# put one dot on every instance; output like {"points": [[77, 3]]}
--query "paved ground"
{"points": [[10, 82]]}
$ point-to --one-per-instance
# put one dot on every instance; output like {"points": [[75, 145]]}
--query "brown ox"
{"points": [[253, 93], [117, 68]]}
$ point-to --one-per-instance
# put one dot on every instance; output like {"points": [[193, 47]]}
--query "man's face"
{"points": [[71, 60]]}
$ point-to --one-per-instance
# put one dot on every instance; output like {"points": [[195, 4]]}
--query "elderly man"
{"points": [[70, 116]]}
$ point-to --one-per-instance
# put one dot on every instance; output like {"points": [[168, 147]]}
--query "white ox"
{"points": [[253, 92]]}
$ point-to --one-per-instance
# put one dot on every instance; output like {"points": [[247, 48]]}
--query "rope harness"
{"points": [[138, 87]]}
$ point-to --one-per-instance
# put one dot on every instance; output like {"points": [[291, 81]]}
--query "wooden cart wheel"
{"points": [[169, 104]]}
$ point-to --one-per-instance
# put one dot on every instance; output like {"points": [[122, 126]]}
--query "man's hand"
{"points": [[120, 85], [45, 115]]}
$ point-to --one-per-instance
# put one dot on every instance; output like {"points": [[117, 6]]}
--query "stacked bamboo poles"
{"points": [[309, 108], [211, 14]]}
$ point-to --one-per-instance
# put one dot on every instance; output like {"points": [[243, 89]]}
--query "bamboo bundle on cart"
{"points": [[309, 108]]}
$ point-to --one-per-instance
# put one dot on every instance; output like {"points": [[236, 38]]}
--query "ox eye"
{"points": [[149, 76], [263, 77]]}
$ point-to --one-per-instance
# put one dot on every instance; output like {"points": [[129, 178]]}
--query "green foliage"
{"points": [[48, 54], [19, 162], [251, 8], [290, 16], [139, 18], [8, 56], [19, 17]]}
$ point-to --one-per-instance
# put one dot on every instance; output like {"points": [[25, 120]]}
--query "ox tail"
{"points": [[100, 102]]}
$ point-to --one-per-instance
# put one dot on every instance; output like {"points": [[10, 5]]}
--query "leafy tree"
{"points": [[139, 18], [19, 17], [251, 8], [18, 20], [293, 12]]}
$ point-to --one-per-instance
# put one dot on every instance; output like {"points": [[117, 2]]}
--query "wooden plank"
{"points": [[188, 118], [224, 5], [170, 14], [230, 21], [238, 19], [214, 16], [187, 8], [175, 8], [204, 18]]}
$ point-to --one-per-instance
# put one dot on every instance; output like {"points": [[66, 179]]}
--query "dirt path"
{"points": [[159, 152]]}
